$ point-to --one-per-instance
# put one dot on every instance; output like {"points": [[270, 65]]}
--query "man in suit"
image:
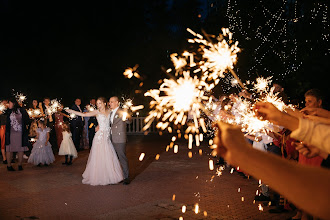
{"points": [[118, 134], [77, 125]]}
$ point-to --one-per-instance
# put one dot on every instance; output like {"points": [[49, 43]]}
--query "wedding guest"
{"points": [[50, 123], [67, 147], [42, 152], [305, 186], [77, 124], [3, 119], [16, 133], [35, 111]]}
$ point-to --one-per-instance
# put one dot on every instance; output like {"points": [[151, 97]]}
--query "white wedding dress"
{"points": [[103, 166]]}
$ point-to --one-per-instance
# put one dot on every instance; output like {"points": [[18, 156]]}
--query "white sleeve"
{"points": [[313, 133]]}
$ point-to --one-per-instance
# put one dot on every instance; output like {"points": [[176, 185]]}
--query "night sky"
{"points": [[68, 50]]}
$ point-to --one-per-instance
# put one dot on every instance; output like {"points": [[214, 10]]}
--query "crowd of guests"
{"points": [[293, 160], [42, 132]]}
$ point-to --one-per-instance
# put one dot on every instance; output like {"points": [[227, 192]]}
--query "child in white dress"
{"points": [[42, 152], [67, 147]]}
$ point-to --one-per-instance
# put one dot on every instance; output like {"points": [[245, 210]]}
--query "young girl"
{"points": [[42, 150], [67, 147]]}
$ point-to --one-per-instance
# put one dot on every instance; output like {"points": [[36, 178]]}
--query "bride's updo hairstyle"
{"points": [[104, 100]]}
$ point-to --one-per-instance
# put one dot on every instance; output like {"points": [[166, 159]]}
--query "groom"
{"points": [[118, 135]]}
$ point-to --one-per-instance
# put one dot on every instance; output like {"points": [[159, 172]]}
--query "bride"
{"points": [[103, 166]]}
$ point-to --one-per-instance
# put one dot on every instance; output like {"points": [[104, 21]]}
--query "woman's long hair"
{"points": [[16, 105], [104, 100]]}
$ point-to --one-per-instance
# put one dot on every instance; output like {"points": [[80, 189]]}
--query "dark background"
{"points": [[77, 49]]}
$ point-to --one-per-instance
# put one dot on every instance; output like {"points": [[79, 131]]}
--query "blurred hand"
{"points": [[316, 112], [229, 140], [97, 128], [268, 112], [306, 150]]}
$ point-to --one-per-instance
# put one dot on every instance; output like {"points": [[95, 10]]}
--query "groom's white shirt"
{"points": [[113, 114]]}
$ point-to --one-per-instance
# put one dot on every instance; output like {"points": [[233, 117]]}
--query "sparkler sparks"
{"points": [[20, 97], [177, 101], [130, 72], [262, 84], [2, 107]]}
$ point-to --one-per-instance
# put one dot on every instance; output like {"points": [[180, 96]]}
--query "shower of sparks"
{"points": [[176, 102], [217, 57], [20, 97], [262, 84], [34, 112], [128, 105], [54, 106], [2, 107]]}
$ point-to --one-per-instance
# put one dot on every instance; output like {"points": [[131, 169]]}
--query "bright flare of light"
{"points": [[141, 156], [262, 84]]}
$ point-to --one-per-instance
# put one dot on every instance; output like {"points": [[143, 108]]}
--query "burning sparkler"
{"points": [[177, 101], [3, 107], [217, 57], [20, 97]]}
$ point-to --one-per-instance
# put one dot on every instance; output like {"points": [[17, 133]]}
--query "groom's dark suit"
{"points": [[119, 139], [77, 126]]}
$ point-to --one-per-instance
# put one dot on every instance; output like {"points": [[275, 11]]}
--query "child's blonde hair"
{"points": [[33, 129]]}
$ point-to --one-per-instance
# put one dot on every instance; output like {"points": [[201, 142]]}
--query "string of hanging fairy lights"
{"points": [[276, 32]]}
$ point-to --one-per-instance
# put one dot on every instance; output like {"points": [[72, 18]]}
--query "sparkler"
{"points": [[177, 101], [34, 112], [217, 57], [2, 107], [20, 97]]}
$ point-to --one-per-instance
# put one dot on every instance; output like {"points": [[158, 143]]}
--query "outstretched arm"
{"points": [[82, 114], [306, 186]]}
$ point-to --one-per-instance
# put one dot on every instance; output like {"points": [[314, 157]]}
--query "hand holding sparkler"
{"points": [[268, 111], [230, 140]]}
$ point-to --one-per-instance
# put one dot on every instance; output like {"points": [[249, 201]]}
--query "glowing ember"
{"points": [[196, 210], [211, 165], [141, 156]]}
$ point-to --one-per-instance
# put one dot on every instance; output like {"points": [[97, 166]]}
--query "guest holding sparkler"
{"points": [[77, 125], [3, 119], [16, 133], [42, 152], [47, 111], [36, 110], [305, 186]]}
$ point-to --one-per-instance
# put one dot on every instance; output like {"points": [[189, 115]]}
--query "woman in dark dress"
{"points": [[16, 133]]}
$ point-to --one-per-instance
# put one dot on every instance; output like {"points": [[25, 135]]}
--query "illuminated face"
{"points": [[46, 102], [35, 103], [277, 88], [312, 102], [10, 105], [100, 105], [77, 102], [113, 102]]}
